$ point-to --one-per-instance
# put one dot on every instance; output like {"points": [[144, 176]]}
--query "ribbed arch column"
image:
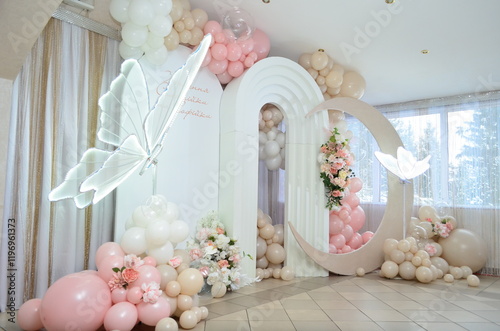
{"points": [[287, 85]]}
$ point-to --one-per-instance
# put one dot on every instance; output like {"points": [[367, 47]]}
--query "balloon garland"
{"points": [[271, 139]]}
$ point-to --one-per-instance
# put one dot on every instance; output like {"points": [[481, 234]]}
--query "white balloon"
{"points": [[179, 231], [271, 135], [143, 216], [161, 25], [262, 137], [172, 212], [134, 35], [129, 52], [155, 41], [119, 10], [141, 12], [129, 223], [161, 7], [157, 233], [158, 203], [273, 163], [272, 149], [162, 254], [157, 56], [262, 153], [281, 139], [134, 241]]}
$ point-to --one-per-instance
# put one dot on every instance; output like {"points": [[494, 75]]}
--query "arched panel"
{"points": [[287, 85]]}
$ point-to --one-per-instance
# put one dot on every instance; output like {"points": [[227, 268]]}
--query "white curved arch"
{"points": [[287, 85]]}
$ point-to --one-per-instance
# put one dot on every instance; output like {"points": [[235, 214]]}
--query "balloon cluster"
{"points": [[346, 222], [455, 255], [271, 139], [331, 77], [145, 24], [237, 45], [270, 251], [187, 25]]}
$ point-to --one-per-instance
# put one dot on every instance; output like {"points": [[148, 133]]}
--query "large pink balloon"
{"points": [[337, 240], [246, 45], [218, 52], [234, 51], [217, 67], [106, 266], [357, 218], [122, 316], [347, 232], [152, 313], [147, 274], [356, 185], [356, 241], [212, 27], [77, 301], [336, 226], [367, 235], [262, 44], [352, 200], [235, 68], [108, 249], [28, 316]]}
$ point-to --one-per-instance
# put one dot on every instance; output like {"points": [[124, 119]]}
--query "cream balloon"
{"points": [[166, 324], [319, 60], [261, 247], [440, 263], [267, 231], [464, 247], [390, 269], [473, 280], [305, 60], [184, 302], [407, 270], [173, 289], [424, 274], [167, 273], [188, 319], [397, 256], [218, 290], [275, 253], [353, 85], [191, 281], [389, 245], [448, 278], [287, 273]]}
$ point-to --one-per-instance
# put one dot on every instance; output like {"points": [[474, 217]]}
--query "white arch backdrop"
{"points": [[287, 85]]}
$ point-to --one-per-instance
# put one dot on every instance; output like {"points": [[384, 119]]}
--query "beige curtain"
{"points": [[54, 119]]}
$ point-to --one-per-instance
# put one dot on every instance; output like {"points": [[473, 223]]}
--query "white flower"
{"points": [[209, 250], [222, 241], [213, 278]]}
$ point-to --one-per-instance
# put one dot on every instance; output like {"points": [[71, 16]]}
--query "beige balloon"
{"points": [[200, 17], [389, 245], [464, 248], [172, 302], [261, 247], [167, 274], [262, 262], [424, 274], [305, 60], [204, 312], [319, 60], [173, 288], [397, 256], [267, 231], [172, 40], [390, 269], [218, 290], [188, 320], [407, 270], [184, 302], [353, 85], [191, 281], [184, 255], [275, 253], [287, 273], [166, 324], [334, 79]]}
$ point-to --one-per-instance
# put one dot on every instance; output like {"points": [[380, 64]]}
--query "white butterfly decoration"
{"points": [[405, 166], [138, 144]]}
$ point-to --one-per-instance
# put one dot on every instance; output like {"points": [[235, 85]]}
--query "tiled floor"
{"points": [[352, 303]]}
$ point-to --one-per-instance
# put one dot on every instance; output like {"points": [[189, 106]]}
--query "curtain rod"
{"points": [[84, 22]]}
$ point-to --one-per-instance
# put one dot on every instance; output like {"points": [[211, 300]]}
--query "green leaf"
{"points": [[116, 270]]}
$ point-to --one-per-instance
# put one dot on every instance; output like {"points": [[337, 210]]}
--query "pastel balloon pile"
{"points": [[346, 221], [455, 254], [271, 139], [270, 251], [331, 77], [187, 25], [145, 24]]}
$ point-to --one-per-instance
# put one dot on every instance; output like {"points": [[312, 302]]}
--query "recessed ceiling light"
{"points": [[266, 1], [424, 51], [389, 1]]}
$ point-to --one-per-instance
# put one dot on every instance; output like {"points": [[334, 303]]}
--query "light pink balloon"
{"points": [[346, 249], [122, 316], [217, 67], [367, 235], [134, 295], [224, 78], [248, 62], [246, 45], [262, 44], [218, 51], [212, 27], [337, 240], [356, 184], [77, 301], [235, 68], [207, 59], [357, 218], [108, 249], [28, 316], [119, 295], [106, 267], [343, 214], [332, 249], [347, 232], [336, 225], [234, 52], [149, 260], [356, 241], [151, 313], [147, 274], [220, 37], [351, 199]]}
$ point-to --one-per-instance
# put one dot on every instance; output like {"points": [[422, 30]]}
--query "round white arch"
{"points": [[287, 85]]}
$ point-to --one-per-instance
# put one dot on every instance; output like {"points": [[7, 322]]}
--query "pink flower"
{"points": [[204, 271], [202, 234], [116, 281], [223, 263], [449, 225], [175, 261], [336, 193], [195, 254], [220, 231], [151, 292], [431, 249], [131, 261], [235, 258], [428, 219], [130, 275]]}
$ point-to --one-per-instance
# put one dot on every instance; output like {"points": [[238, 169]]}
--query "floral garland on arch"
{"points": [[216, 255], [335, 160]]}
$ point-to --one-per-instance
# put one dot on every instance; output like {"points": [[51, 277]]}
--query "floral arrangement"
{"points": [[129, 273], [442, 227], [216, 255], [335, 160]]}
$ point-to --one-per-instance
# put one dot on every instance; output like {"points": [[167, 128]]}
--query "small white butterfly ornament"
{"points": [[138, 144], [405, 166]]}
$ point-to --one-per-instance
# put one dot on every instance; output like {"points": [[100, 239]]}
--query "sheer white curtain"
{"points": [[53, 121]]}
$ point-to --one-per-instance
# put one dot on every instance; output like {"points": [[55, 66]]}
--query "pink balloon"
{"points": [[224, 78], [235, 68], [122, 316], [28, 316], [347, 220], [367, 235], [246, 45], [220, 37], [119, 295], [77, 301], [346, 249], [106, 267], [332, 249], [356, 241], [253, 56], [147, 274], [134, 295], [207, 59], [357, 218], [337, 240], [212, 27], [151, 313], [343, 214], [149, 260], [219, 52], [351, 199], [347, 232], [336, 225], [262, 44], [356, 184], [217, 67], [108, 249], [233, 52], [248, 62]]}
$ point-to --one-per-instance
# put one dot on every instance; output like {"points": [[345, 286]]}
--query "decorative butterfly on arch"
{"points": [[137, 144]]}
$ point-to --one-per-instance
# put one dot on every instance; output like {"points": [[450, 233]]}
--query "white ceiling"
{"points": [[462, 37]]}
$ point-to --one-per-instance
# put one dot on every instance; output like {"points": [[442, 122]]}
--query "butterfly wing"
{"points": [[390, 163], [161, 117], [125, 106]]}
